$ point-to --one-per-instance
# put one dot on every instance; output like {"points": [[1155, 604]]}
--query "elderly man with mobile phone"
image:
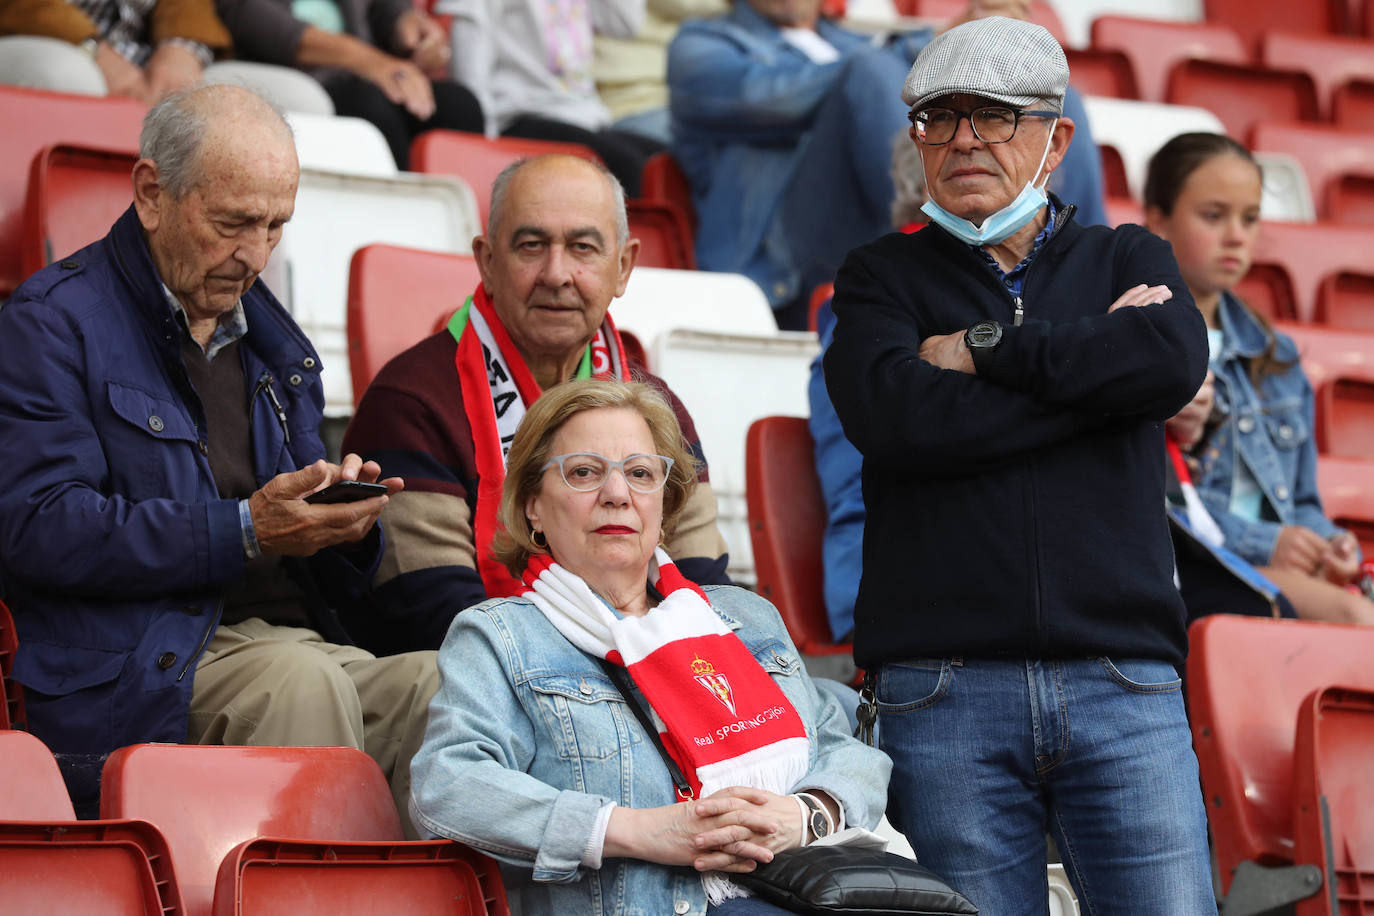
{"points": [[1006, 374], [159, 416]]}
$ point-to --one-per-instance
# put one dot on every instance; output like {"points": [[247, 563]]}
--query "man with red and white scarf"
{"points": [[556, 252]]}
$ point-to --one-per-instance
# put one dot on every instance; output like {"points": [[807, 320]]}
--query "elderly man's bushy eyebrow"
{"points": [[580, 233]]}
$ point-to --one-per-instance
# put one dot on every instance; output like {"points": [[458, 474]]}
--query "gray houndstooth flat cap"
{"points": [[1007, 60]]}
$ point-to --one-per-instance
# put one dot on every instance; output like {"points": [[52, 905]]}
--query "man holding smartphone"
{"points": [[171, 579]]}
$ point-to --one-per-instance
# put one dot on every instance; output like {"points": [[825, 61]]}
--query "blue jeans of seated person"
{"points": [[990, 754]]}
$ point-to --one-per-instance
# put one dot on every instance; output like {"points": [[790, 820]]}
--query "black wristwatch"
{"points": [[818, 820], [982, 339]]}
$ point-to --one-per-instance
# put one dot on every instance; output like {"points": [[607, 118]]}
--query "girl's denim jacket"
{"points": [[528, 738], [1271, 429]]}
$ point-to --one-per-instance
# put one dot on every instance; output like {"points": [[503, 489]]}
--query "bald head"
{"points": [[179, 128], [554, 167]]}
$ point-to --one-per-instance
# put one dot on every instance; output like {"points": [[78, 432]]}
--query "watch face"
{"points": [[983, 334], [819, 825]]}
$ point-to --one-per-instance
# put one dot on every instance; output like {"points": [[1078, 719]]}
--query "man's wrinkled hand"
{"points": [[285, 524], [1187, 426], [172, 68], [1142, 295], [948, 351]]}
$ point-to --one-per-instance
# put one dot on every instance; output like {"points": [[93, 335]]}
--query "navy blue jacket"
{"points": [[115, 547], [1019, 511]]}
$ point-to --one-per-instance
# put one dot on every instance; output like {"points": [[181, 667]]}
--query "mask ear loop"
{"points": [[1049, 141]]}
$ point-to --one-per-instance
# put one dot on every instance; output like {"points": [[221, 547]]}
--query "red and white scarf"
{"points": [[721, 717], [497, 388]]}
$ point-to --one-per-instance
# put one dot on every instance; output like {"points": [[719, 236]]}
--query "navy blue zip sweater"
{"points": [[1019, 511]]}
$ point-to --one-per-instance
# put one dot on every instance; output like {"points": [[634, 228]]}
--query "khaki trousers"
{"points": [[259, 684]]}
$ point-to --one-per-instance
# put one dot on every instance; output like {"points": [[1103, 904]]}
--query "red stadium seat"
{"points": [[1242, 96], [1268, 289], [1331, 60], [75, 195], [1346, 486], [1333, 817], [1327, 154], [819, 297], [1350, 199], [395, 298], [34, 119], [12, 693], [1309, 253], [1345, 416], [1352, 105], [664, 180], [1124, 210], [664, 237], [316, 794], [268, 877], [1346, 300], [1247, 677], [1329, 353], [1097, 71], [1252, 18], [1114, 180], [478, 160], [1155, 46], [786, 527], [52, 863]]}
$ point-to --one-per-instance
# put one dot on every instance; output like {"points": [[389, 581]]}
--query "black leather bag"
{"points": [[842, 879]]}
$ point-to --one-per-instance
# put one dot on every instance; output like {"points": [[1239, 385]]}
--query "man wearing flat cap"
{"points": [[1006, 374]]}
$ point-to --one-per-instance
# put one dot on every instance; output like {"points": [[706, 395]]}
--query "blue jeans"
{"points": [[990, 754]]}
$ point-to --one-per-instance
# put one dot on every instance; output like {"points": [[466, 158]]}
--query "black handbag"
{"points": [[824, 879]]}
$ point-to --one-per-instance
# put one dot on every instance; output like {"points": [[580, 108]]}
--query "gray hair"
{"points": [[908, 181], [175, 128], [501, 185]]}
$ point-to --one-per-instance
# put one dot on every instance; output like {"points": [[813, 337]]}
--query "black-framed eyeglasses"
{"points": [[587, 471], [991, 124]]}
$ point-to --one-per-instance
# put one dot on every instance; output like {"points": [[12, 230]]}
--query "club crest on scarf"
{"points": [[705, 674]]}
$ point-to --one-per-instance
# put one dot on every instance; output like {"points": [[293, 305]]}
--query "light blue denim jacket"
{"points": [[528, 739], [1272, 430]]}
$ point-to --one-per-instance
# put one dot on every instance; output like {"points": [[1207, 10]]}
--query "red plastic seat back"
{"points": [[1328, 353], [1334, 813], [1100, 71], [786, 527], [1331, 60], [1326, 153], [1041, 13], [270, 877], [1311, 252], [1268, 289], [1114, 180], [206, 800], [1247, 677], [663, 179], [12, 715], [664, 237], [1352, 105], [34, 119], [1345, 416], [1124, 210], [1346, 486], [1155, 46], [396, 297], [1242, 96], [31, 788], [1350, 199], [478, 160], [1346, 300], [1252, 18], [75, 195]]}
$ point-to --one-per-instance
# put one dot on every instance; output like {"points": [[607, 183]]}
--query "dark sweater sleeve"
{"points": [[902, 411], [263, 30], [1144, 362]]}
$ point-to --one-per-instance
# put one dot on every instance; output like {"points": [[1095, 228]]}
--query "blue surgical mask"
{"points": [[1007, 221]]}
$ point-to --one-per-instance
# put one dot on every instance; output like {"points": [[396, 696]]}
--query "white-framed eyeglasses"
{"points": [[587, 471]]}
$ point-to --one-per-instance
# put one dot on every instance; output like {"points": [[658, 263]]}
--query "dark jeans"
{"points": [[455, 108], [623, 152]]}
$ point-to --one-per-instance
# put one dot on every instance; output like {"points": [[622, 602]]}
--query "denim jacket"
{"points": [[1271, 430], [528, 739]]}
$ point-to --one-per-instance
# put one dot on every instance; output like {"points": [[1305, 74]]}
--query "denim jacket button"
{"points": [[1285, 432], [681, 906], [586, 689], [1281, 491], [1245, 424]]}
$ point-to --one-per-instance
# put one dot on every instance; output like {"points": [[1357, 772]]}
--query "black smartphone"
{"points": [[347, 491]]}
